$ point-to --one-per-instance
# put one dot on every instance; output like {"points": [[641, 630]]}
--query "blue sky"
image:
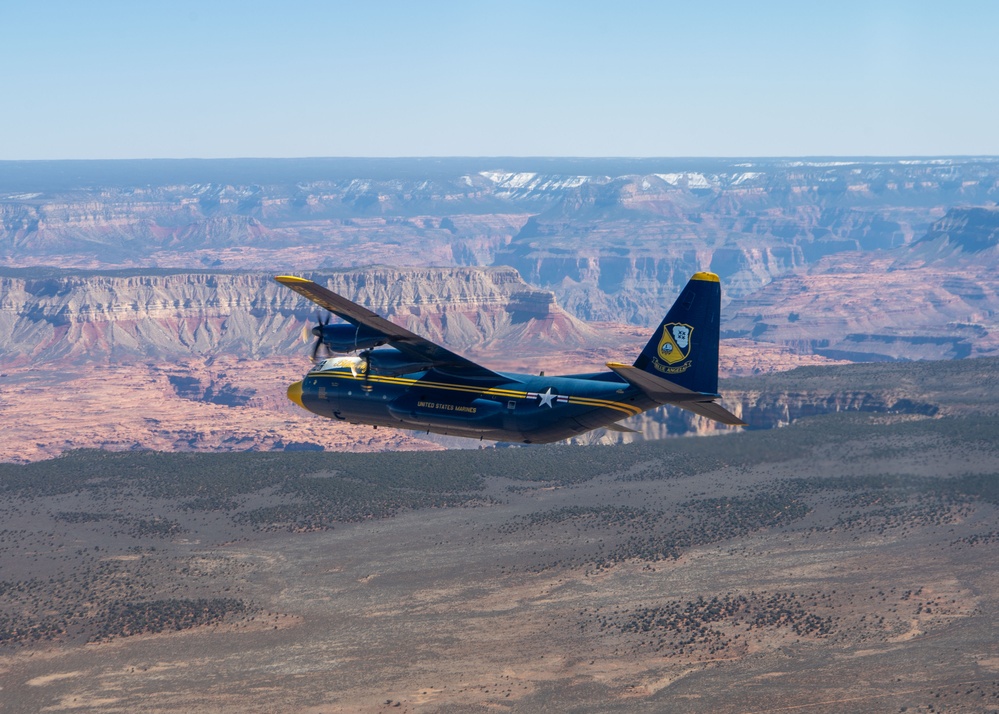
{"points": [[210, 79]]}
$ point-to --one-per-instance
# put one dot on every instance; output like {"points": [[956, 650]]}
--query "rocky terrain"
{"points": [[936, 298]]}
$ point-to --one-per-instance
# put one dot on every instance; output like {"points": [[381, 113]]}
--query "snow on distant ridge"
{"points": [[516, 180], [917, 162], [533, 181], [748, 176], [821, 164], [694, 180]]}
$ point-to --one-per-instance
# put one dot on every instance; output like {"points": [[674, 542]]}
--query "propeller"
{"points": [[366, 382], [317, 331]]}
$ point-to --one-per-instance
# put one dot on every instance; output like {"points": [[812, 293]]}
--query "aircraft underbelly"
{"points": [[459, 411]]}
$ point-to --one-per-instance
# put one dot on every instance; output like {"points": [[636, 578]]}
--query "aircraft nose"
{"points": [[295, 393]]}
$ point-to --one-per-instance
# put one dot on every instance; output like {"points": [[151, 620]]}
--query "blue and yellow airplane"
{"points": [[391, 377]]}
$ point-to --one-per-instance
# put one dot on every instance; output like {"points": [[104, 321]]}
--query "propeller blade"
{"points": [[318, 332], [365, 366]]}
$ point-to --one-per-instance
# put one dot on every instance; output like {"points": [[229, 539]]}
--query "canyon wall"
{"points": [[164, 315], [935, 298]]}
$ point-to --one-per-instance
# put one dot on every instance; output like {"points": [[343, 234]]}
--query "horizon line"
{"points": [[464, 157]]}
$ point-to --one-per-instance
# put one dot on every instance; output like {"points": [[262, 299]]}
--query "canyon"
{"points": [[201, 360], [153, 278]]}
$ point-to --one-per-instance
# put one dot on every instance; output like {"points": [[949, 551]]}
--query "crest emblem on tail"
{"points": [[675, 343]]}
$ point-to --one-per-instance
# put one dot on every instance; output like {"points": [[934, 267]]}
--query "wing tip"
{"points": [[290, 279]]}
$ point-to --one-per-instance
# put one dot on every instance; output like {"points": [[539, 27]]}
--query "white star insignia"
{"points": [[546, 398]]}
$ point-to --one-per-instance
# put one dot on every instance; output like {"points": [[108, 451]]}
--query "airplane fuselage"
{"points": [[526, 408], [393, 377]]}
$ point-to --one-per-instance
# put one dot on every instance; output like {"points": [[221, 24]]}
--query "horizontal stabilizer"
{"points": [[712, 411], [665, 392], [657, 388], [620, 428]]}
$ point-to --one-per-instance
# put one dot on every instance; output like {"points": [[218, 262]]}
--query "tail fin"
{"points": [[684, 349]]}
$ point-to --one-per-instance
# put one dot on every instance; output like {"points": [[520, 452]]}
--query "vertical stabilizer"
{"points": [[684, 348]]}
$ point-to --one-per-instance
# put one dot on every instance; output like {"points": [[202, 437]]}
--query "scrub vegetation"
{"points": [[838, 533]]}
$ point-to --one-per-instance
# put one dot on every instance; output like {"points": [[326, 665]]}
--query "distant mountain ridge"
{"points": [[612, 238], [90, 174]]}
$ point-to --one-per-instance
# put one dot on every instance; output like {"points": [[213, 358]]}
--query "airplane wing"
{"points": [[400, 338]]}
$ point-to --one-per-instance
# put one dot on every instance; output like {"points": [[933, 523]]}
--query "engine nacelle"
{"points": [[348, 338], [391, 362]]}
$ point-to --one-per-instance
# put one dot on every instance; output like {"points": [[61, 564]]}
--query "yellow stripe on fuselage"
{"points": [[628, 409]]}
